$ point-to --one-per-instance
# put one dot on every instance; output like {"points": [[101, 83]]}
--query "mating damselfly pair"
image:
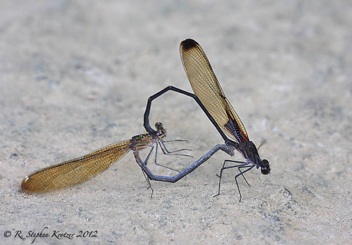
{"points": [[209, 96]]}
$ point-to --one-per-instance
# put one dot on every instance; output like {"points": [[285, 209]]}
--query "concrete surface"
{"points": [[76, 75]]}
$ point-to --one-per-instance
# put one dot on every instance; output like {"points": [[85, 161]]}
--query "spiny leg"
{"points": [[239, 169], [144, 174], [155, 161], [147, 158], [149, 184], [167, 141], [146, 161], [242, 173], [156, 151], [242, 165], [223, 168], [143, 164], [156, 156], [167, 152]]}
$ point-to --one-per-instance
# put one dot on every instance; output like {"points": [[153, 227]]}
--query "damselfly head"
{"points": [[265, 168], [160, 130]]}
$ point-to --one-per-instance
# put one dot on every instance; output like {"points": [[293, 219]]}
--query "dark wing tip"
{"points": [[25, 185], [188, 44]]}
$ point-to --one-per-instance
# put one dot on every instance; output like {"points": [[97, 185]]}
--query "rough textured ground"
{"points": [[75, 76]]}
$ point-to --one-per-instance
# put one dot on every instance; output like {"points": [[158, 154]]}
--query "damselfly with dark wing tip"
{"points": [[210, 97]]}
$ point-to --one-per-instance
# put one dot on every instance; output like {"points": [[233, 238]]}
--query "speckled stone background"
{"points": [[76, 75]]}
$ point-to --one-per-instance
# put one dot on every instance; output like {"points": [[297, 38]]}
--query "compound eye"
{"points": [[265, 171]]}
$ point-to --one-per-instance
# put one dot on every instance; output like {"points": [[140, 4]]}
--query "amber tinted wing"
{"points": [[207, 88], [75, 171]]}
